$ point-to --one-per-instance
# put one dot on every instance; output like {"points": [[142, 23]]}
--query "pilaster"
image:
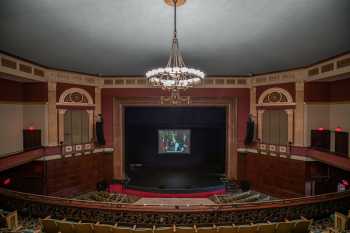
{"points": [[299, 114], [52, 115]]}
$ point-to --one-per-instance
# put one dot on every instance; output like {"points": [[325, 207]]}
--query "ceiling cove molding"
{"points": [[15, 67], [279, 77], [330, 68], [210, 82]]}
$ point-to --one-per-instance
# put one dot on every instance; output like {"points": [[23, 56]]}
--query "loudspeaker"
{"points": [[321, 139], [31, 139], [342, 143]]}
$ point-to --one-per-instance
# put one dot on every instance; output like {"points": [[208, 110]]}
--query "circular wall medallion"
{"points": [[178, 2]]}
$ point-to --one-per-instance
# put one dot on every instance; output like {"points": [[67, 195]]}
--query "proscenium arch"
{"points": [[231, 129]]}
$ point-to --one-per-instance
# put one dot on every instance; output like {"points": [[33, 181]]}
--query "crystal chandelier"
{"points": [[175, 76]]}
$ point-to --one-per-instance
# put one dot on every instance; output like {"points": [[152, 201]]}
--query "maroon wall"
{"points": [[279, 177], [339, 90], [242, 108], [79, 174], [10, 90], [22, 92], [316, 92], [33, 92], [26, 178], [327, 91]]}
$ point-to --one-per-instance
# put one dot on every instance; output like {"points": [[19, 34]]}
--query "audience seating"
{"points": [[108, 197], [10, 220], [228, 229], [163, 229], [63, 226], [248, 196], [267, 227], [341, 223], [205, 229], [185, 229], [84, 228], [104, 228], [285, 227], [48, 225], [302, 225], [248, 229]]}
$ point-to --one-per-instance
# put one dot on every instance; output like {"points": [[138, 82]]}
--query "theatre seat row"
{"points": [[249, 196], [62, 226], [108, 197]]}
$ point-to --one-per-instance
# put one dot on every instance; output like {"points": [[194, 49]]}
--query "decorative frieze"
{"points": [[330, 68]]}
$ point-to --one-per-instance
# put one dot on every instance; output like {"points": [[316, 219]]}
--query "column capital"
{"points": [[51, 86], [299, 85]]}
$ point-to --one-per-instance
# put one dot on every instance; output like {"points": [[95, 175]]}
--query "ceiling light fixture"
{"points": [[175, 76]]}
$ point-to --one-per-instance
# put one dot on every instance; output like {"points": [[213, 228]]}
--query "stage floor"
{"points": [[176, 181], [174, 201]]}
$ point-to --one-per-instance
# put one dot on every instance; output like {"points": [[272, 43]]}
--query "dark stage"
{"points": [[197, 170], [176, 181]]}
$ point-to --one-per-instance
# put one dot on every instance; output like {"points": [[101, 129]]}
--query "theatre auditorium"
{"points": [[175, 116]]}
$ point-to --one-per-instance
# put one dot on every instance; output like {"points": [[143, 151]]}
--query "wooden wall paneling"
{"points": [[79, 174], [279, 177]]}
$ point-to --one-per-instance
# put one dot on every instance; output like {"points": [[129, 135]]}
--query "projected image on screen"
{"points": [[174, 141]]}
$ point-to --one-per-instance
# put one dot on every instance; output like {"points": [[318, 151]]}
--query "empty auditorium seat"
{"points": [[184, 230], [267, 228], [65, 226], [302, 225], [285, 227], [240, 197], [83, 228], [163, 230], [341, 223], [104, 228], [206, 229], [228, 229], [143, 230], [48, 225], [247, 229]]}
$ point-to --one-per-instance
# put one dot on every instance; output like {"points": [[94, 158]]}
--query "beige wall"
{"points": [[36, 115], [328, 116], [340, 117], [14, 117], [11, 125], [316, 116]]}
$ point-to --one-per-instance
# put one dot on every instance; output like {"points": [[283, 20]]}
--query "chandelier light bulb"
{"points": [[175, 75]]}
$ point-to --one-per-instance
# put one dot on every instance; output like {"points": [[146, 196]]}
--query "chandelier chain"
{"points": [[175, 76]]}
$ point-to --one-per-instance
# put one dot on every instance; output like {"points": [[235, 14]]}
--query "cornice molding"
{"points": [[15, 67]]}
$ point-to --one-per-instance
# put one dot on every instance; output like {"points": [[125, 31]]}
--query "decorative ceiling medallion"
{"points": [[178, 2]]}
